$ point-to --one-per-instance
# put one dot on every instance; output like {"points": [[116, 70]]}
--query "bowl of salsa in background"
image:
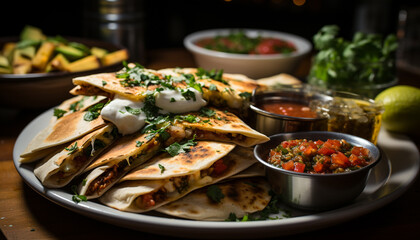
{"points": [[253, 52], [317, 191], [288, 109]]}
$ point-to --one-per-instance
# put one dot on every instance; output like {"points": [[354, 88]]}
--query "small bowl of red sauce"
{"points": [[317, 170], [288, 109]]}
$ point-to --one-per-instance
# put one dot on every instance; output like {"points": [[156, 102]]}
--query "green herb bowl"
{"points": [[252, 65]]}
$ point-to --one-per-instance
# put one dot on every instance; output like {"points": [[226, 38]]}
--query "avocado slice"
{"points": [[70, 53], [32, 33]]}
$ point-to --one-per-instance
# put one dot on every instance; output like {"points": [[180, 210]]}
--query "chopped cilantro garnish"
{"points": [[162, 168], [207, 112], [188, 94], [134, 111], [213, 74], [72, 148], [173, 100], [76, 197], [93, 112], [212, 87], [139, 143], [177, 148], [59, 112], [104, 83], [245, 94], [215, 193]]}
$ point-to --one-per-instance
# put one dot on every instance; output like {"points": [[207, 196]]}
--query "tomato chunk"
{"points": [[326, 151], [219, 167], [299, 167], [290, 165], [340, 159]]}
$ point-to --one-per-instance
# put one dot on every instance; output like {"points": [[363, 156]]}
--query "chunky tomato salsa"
{"points": [[239, 42], [331, 156]]}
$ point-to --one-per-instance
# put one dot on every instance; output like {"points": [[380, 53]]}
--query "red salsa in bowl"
{"points": [[240, 43], [308, 156]]}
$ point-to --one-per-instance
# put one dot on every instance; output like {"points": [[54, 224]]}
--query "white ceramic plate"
{"points": [[388, 180]]}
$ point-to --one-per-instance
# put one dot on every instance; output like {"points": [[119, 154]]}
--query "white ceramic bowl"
{"points": [[253, 66]]}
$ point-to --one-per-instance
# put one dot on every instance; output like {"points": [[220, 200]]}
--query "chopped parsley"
{"points": [[162, 168], [134, 111], [245, 95], [104, 83], [188, 94], [59, 112], [207, 112], [139, 143], [76, 197], [177, 148], [93, 112], [212, 87], [213, 74], [72, 148], [215, 193]]}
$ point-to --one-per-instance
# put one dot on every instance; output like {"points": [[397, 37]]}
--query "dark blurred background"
{"points": [[156, 24]]}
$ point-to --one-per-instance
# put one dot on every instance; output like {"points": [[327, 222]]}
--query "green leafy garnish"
{"points": [[215, 193], [139, 143], [59, 112], [72, 148], [212, 87], [207, 112], [93, 112], [76, 197], [339, 63], [134, 111], [162, 168], [177, 148], [246, 95], [213, 74]]}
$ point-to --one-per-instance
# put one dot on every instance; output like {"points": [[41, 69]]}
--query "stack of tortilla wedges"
{"points": [[215, 174]]}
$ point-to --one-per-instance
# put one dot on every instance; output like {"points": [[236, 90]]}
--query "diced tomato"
{"points": [[333, 143], [360, 151], [148, 200], [290, 165], [357, 161], [299, 167], [319, 142], [319, 167], [326, 151], [272, 45], [340, 159], [308, 148], [273, 153], [290, 143], [219, 167]]}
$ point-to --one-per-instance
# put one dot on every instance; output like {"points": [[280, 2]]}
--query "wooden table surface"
{"points": [[24, 214]]}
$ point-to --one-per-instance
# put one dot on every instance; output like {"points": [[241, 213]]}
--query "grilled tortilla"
{"points": [[240, 196], [126, 153], [216, 125], [225, 92], [59, 169], [167, 178], [65, 129]]}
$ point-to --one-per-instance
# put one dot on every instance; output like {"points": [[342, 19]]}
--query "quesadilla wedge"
{"points": [[135, 83], [166, 178], [213, 124], [218, 201], [126, 153], [59, 169], [63, 130]]}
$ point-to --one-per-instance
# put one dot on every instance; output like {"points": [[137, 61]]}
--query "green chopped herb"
{"points": [[212, 87], [139, 143], [177, 148], [246, 95], [84, 182], [207, 112], [72, 148], [59, 112], [76, 197], [215, 193], [173, 100], [134, 111], [93, 112], [162, 168], [104, 83], [188, 94]]}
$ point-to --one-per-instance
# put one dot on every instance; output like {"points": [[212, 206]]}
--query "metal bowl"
{"points": [[316, 191], [271, 123]]}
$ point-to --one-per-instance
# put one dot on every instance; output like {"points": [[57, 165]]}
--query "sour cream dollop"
{"points": [[125, 114], [173, 100]]}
